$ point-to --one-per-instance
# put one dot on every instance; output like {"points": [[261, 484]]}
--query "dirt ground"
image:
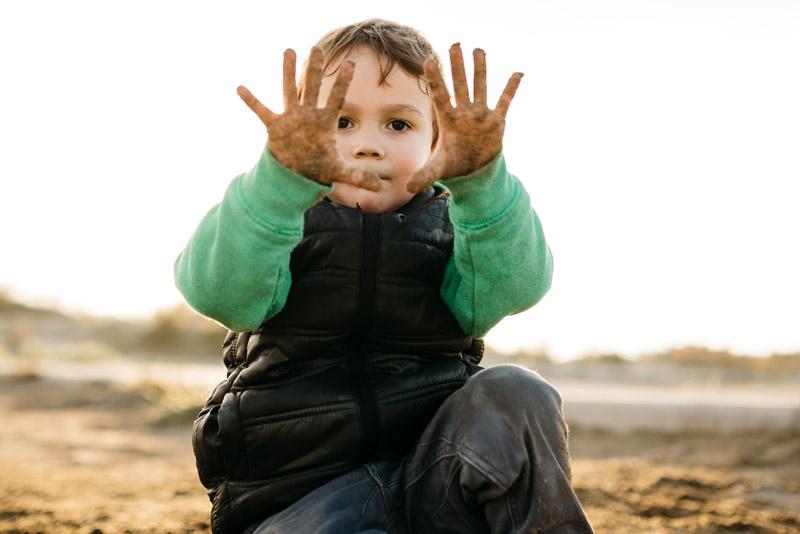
{"points": [[98, 458]]}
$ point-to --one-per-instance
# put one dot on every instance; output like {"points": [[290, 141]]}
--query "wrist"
{"points": [[272, 192], [483, 194]]}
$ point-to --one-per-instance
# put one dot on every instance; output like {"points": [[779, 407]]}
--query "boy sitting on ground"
{"points": [[378, 238]]}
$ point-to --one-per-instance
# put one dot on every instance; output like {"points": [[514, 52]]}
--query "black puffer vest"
{"points": [[350, 371]]}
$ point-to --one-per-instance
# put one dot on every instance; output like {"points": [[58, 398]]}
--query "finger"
{"points": [[339, 90], [479, 82], [460, 88], [289, 81], [508, 94], [366, 180], [423, 178], [436, 87], [313, 77], [356, 177], [266, 116]]}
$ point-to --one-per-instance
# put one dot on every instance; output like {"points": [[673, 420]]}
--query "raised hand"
{"points": [[302, 138], [470, 134]]}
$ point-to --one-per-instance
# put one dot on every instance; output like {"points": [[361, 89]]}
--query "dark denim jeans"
{"points": [[493, 459]]}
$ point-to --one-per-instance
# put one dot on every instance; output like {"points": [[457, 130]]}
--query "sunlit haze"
{"points": [[658, 140]]}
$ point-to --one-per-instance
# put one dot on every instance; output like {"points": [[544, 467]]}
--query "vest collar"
{"points": [[415, 203]]}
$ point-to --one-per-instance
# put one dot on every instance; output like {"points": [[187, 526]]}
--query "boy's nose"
{"points": [[367, 149]]}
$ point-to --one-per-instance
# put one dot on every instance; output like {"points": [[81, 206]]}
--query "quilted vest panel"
{"points": [[351, 370]]}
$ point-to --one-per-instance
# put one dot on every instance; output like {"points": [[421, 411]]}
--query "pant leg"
{"points": [[354, 502], [494, 459]]}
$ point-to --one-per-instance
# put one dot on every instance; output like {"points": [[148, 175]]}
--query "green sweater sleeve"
{"points": [[235, 268], [501, 263]]}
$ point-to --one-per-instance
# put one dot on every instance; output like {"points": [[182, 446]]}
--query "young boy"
{"points": [[357, 288]]}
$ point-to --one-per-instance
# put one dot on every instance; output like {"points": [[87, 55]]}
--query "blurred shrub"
{"points": [[722, 365], [170, 405], [180, 330], [85, 351], [693, 355], [6, 301], [605, 358], [689, 364], [24, 362], [532, 359]]}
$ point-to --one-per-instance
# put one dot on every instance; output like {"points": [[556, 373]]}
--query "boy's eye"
{"points": [[344, 122], [398, 125]]}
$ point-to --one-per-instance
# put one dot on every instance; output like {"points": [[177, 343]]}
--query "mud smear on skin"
{"points": [[470, 134], [302, 138]]}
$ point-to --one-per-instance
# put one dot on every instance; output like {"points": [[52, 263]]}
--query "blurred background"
{"points": [[658, 141]]}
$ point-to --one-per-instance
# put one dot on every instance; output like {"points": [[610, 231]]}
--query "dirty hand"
{"points": [[470, 134], [302, 138]]}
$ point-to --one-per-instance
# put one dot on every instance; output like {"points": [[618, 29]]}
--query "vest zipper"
{"points": [[367, 405]]}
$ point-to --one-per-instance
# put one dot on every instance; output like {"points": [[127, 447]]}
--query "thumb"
{"points": [[265, 114], [356, 177], [424, 177]]}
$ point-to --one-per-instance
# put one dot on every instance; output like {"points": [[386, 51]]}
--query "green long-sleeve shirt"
{"points": [[235, 268]]}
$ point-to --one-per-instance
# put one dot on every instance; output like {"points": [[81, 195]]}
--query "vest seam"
{"points": [[329, 231], [423, 392], [261, 481], [422, 242], [368, 279], [431, 337], [396, 280], [300, 414], [326, 272]]}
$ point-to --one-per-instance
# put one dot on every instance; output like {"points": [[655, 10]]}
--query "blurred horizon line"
{"points": [[180, 316]]}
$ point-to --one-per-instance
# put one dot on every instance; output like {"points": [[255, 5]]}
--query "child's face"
{"points": [[384, 128]]}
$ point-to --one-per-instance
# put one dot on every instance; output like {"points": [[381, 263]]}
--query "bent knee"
{"points": [[514, 383]]}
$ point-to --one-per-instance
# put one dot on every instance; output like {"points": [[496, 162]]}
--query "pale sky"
{"points": [[659, 142]]}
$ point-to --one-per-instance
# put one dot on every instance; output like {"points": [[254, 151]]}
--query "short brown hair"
{"points": [[392, 43]]}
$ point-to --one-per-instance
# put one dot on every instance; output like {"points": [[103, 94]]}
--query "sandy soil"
{"points": [[94, 457]]}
